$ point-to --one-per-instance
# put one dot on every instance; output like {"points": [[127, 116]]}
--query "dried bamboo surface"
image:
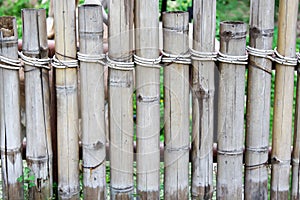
{"points": [[231, 113], [37, 97], [283, 101], [258, 101], [148, 99], [176, 96], [203, 83], [10, 125], [92, 103], [67, 101], [120, 89]]}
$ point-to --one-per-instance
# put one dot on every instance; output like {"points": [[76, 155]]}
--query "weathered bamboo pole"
{"points": [[231, 110], [203, 83], [120, 89], [148, 98], [258, 99], [10, 125], [283, 100], [176, 94], [67, 99], [37, 98], [92, 101]]}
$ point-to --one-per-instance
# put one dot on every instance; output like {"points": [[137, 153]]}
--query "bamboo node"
{"points": [[64, 64], [258, 150], [94, 167], [121, 190], [182, 58], [183, 148], [9, 63], [35, 62], [257, 166], [231, 153], [148, 99], [12, 151], [91, 58], [147, 62], [203, 56], [277, 161], [123, 66], [295, 161], [239, 60]]}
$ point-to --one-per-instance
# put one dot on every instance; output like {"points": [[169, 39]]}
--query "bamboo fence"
{"points": [[135, 65], [37, 96]]}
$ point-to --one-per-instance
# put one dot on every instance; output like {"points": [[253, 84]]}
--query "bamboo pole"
{"points": [[92, 102], [176, 94], [120, 89], [10, 125], [283, 100], [67, 100], [203, 100], [231, 112], [37, 96], [148, 99], [258, 101]]}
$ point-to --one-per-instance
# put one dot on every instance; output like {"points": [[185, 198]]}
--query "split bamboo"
{"points": [[176, 96], [92, 102], [231, 112], [120, 89], [258, 101], [203, 83], [283, 101], [148, 99], [67, 100], [37, 96], [11, 157]]}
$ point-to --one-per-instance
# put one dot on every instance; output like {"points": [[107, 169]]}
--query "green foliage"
{"points": [[28, 179], [179, 5]]}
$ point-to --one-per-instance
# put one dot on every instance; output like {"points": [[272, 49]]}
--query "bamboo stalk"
{"points": [[176, 96], [92, 103], [203, 100], [120, 89], [37, 96], [258, 101], [10, 127], [231, 113], [283, 101], [67, 101], [148, 99]]}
